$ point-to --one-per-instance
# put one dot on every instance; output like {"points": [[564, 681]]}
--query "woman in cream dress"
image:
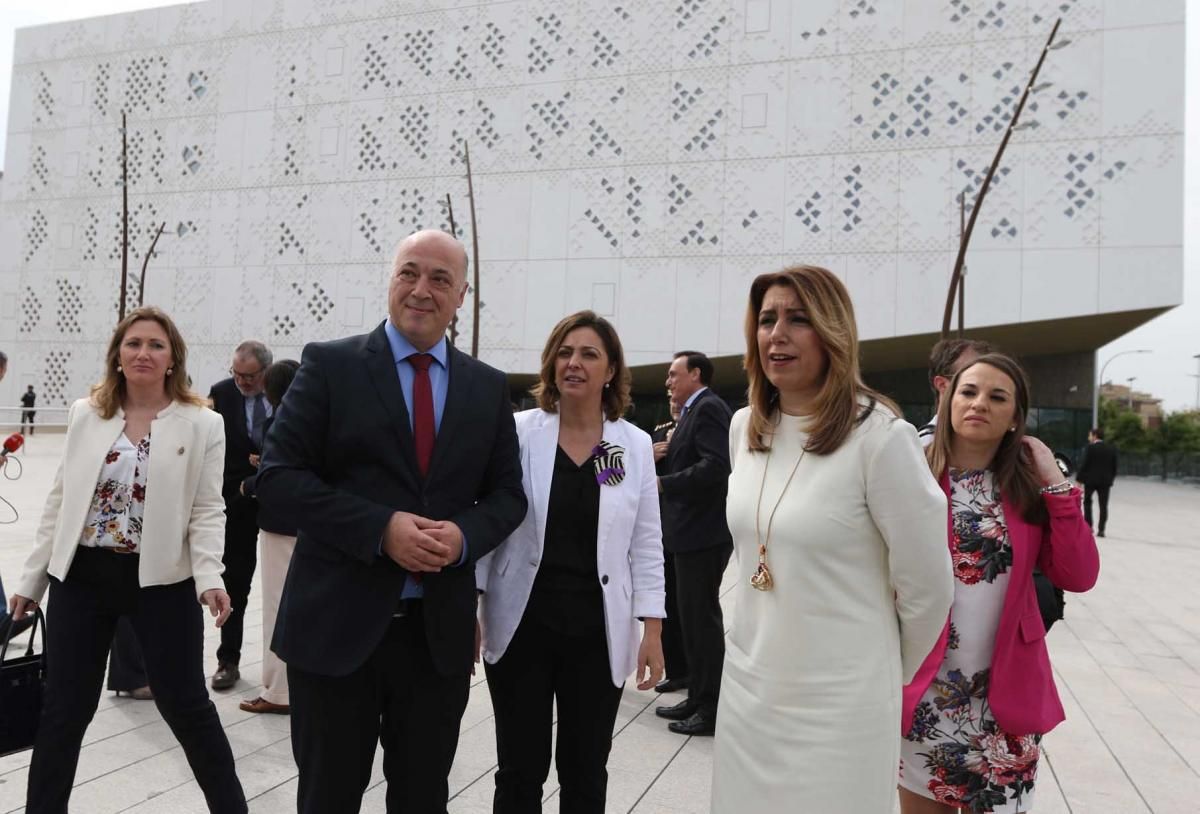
{"points": [[843, 585]]}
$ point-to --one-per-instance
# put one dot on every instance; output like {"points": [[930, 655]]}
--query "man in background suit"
{"points": [[242, 403], [397, 456], [1097, 471], [696, 534], [946, 358], [672, 637]]}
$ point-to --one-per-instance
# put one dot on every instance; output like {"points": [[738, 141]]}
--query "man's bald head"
{"points": [[431, 238], [429, 282]]}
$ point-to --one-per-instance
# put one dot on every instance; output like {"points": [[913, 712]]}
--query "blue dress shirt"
{"points": [[439, 374], [687, 405], [439, 382], [249, 400]]}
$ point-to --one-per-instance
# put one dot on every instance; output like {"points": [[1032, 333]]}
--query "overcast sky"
{"points": [[1168, 372]]}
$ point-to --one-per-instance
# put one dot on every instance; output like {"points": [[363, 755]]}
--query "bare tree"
{"points": [[474, 251], [124, 218], [453, 234], [965, 239], [146, 263]]}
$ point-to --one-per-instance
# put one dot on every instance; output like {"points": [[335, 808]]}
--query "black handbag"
{"points": [[21, 681], [1051, 600]]}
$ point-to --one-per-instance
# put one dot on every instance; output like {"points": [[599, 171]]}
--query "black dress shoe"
{"points": [[226, 676], [671, 685], [697, 724], [676, 712]]}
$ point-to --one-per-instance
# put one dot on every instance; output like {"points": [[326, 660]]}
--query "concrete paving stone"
{"points": [[133, 784], [1173, 670], [685, 784], [475, 797], [475, 758], [1171, 633], [1161, 706], [1190, 653], [279, 800], [1091, 630], [1127, 661], [1048, 797], [1113, 654]]}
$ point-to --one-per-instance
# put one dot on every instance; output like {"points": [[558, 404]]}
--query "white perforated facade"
{"points": [[641, 157]]}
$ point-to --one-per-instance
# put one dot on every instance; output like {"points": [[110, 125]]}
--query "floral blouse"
{"points": [[115, 517]]}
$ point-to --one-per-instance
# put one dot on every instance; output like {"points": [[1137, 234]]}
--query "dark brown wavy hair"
{"points": [[108, 394], [615, 397], [838, 405], [1013, 470]]}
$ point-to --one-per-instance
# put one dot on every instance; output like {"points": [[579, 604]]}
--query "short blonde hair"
{"points": [[616, 398]]}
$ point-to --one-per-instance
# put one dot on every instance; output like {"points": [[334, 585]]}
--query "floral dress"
{"points": [[115, 517], [955, 752]]}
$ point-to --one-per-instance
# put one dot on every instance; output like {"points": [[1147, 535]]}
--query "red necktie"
{"points": [[422, 398]]}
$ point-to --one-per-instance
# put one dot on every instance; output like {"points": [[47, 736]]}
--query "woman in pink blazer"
{"points": [[978, 706]]}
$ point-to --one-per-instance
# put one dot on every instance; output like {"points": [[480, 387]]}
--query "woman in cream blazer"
{"points": [[133, 527], [192, 541], [562, 596]]}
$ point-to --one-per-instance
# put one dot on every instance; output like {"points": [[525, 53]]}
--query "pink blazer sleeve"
{"points": [[1068, 554]]}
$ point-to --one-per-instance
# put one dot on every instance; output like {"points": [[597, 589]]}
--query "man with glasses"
{"points": [[243, 404]]}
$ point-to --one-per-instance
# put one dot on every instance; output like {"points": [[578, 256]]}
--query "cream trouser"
{"points": [[275, 553]]}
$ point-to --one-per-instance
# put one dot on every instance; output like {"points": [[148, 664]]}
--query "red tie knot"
{"points": [[421, 361]]}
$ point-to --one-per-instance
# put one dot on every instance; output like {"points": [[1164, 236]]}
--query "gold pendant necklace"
{"points": [[761, 579]]}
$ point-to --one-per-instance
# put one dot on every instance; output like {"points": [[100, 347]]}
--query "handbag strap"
{"points": [[38, 619]]}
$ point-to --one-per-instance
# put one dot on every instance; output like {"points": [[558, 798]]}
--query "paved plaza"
{"points": [[1127, 661]]}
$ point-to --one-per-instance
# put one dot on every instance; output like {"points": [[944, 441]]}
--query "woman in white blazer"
{"points": [[562, 597], [133, 527]]}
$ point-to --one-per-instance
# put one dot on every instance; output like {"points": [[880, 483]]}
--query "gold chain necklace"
{"points": [[762, 574]]}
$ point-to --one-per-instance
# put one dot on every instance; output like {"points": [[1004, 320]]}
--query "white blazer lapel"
{"points": [[543, 446], [610, 496], [169, 442], [95, 446]]}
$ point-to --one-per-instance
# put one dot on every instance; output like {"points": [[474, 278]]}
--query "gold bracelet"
{"points": [[1060, 488]]}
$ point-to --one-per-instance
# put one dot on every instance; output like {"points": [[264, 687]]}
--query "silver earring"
{"points": [[170, 370], [606, 385], [119, 369]]}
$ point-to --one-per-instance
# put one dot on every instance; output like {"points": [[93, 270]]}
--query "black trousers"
{"points": [[698, 585], [84, 608], [396, 699], [541, 667], [126, 667], [674, 653], [240, 558], [1102, 493], [27, 418]]}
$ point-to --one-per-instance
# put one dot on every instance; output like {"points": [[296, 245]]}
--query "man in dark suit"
{"points": [[397, 456], [1097, 471], [674, 655], [696, 535], [242, 403]]}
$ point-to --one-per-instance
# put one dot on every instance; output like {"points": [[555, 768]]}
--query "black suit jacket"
{"points": [[231, 404], [269, 517], [697, 479], [340, 459], [1099, 465], [660, 434]]}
